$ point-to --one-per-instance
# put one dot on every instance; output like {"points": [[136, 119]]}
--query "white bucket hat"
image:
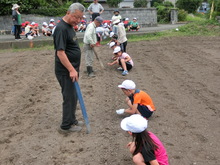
{"points": [[117, 49], [44, 23], [127, 84], [111, 34], [135, 123], [15, 6], [51, 25], [111, 44]]}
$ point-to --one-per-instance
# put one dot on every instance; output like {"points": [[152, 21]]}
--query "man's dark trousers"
{"points": [[94, 15], [69, 101]]}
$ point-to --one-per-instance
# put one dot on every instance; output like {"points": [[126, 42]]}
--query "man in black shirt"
{"points": [[67, 62]]}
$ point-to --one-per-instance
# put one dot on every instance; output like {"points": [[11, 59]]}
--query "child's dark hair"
{"points": [[115, 36], [143, 139]]}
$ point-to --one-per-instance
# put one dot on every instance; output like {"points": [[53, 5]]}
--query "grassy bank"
{"points": [[199, 27]]}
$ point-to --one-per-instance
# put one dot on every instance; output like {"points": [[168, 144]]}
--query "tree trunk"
{"points": [[212, 9]]}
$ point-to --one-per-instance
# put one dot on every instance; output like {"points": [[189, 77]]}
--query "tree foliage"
{"points": [[156, 3], [140, 3], [216, 9], [189, 5], [216, 5], [163, 14], [32, 5], [26, 5], [113, 3], [182, 14]]}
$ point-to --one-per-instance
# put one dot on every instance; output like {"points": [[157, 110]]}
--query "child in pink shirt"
{"points": [[123, 59], [146, 148]]}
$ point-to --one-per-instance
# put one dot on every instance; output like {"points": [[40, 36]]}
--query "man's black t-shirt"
{"points": [[65, 39]]}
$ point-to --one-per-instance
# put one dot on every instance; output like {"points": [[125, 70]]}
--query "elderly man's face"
{"points": [[75, 18]]}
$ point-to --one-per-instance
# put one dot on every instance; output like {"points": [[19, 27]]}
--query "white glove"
{"points": [[107, 43], [120, 111]]}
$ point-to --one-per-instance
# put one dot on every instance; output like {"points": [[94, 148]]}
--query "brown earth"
{"points": [[182, 75]]}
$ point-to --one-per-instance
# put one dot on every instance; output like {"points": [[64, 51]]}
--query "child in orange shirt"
{"points": [[138, 101]]}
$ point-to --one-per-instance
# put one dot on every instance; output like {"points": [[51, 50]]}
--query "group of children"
{"points": [[145, 147], [31, 30], [129, 25], [47, 29]]}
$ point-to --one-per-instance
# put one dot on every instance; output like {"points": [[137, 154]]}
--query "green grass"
{"points": [[200, 27], [152, 36], [194, 18]]}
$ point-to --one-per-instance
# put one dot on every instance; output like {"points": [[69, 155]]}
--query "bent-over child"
{"points": [[123, 59], [139, 102], [146, 148]]}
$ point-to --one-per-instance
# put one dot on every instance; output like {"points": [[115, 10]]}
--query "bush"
{"points": [[182, 14], [214, 14], [67, 4], [113, 3], [26, 5], [49, 11], [168, 4], [156, 3], [189, 5], [163, 14], [140, 3], [51, 7]]}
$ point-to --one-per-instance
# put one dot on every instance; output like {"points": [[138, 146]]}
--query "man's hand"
{"points": [[92, 45], [73, 75], [65, 61]]}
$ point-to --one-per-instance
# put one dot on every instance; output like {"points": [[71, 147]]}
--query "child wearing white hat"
{"points": [[123, 59], [52, 21], [146, 148], [139, 102], [134, 25], [44, 28]]}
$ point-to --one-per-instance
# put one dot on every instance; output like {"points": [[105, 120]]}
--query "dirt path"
{"points": [[181, 75]]}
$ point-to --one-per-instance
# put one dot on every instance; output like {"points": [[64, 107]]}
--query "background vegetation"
{"points": [[58, 7], [189, 5], [202, 27]]}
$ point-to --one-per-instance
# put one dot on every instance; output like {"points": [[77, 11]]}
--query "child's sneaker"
{"points": [[125, 72], [120, 69]]}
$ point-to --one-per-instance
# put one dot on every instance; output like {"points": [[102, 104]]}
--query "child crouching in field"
{"points": [[138, 101], [123, 59], [145, 147]]}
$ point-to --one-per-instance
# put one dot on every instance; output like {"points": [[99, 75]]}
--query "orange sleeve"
{"points": [[143, 98]]}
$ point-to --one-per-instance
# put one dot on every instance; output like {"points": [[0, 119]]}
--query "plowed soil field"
{"points": [[181, 74]]}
